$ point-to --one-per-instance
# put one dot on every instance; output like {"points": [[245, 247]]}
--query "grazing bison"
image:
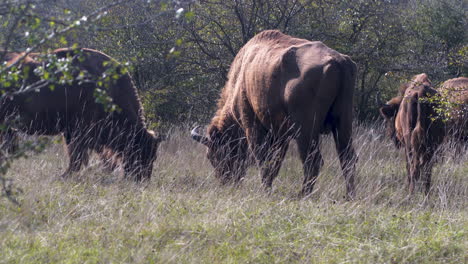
{"points": [[79, 108], [412, 124], [455, 93], [280, 88]]}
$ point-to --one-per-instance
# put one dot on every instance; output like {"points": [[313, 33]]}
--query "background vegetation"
{"points": [[180, 59]]}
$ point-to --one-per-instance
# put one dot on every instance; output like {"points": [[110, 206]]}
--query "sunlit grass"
{"points": [[184, 216]]}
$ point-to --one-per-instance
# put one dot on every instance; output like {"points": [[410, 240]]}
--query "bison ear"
{"points": [[389, 111]]}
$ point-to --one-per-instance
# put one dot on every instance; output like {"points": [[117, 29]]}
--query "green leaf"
{"points": [[189, 15], [63, 41]]}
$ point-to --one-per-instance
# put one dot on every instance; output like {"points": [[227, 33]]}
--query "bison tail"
{"points": [[348, 74]]}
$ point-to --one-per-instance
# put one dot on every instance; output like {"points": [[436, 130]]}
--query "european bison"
{"points": [[280, 87], [79, 108], [454, 93], [412, 123]]}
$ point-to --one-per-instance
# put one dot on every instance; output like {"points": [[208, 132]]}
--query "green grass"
{"points": [[184, 216]]}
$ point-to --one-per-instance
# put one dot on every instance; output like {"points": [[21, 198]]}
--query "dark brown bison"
{"points": [[454, 93], [280, 88], [412, 122], [80, 108]]}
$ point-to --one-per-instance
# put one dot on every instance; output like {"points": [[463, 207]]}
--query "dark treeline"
{"points": [[180, 57]]}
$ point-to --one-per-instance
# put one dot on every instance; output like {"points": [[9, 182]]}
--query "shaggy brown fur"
{"points": [[72, 109], [413, 124], [390, 109], [456, 92], [279, 88]]}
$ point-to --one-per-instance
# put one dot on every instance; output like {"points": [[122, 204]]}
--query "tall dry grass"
{"points": [[183, 215], [381, 172]]}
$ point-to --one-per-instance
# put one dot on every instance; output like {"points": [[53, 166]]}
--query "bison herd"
{"points": [[279, 88]]}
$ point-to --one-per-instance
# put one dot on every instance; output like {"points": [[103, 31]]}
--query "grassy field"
{"points": [[184, 216]]}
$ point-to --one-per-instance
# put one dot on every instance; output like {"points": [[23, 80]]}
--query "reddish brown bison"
{"points": [[413, 124], [279, 88], [79, 108]]}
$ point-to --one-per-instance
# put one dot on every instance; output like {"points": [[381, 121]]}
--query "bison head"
{"points": [[226, 152], [145, 154], [389, 112]]}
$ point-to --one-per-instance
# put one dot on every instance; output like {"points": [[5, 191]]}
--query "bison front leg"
{"points": [[272, 165], [428, 163], [132, 166], [427, 179]]}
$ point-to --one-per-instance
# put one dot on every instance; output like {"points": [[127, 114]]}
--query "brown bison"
{"points": [[413, 124], [454, 93], [80, 108], [281, 88]]}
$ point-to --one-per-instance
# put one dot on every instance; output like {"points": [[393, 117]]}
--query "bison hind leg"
{"points": [[312, 161], [269, 148], [342, 135], [77, 150]]}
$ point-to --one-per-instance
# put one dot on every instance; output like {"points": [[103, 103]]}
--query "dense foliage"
{"points": [[180, 59]]}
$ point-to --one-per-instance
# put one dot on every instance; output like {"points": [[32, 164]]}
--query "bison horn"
{"points": [[197, 137]]}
